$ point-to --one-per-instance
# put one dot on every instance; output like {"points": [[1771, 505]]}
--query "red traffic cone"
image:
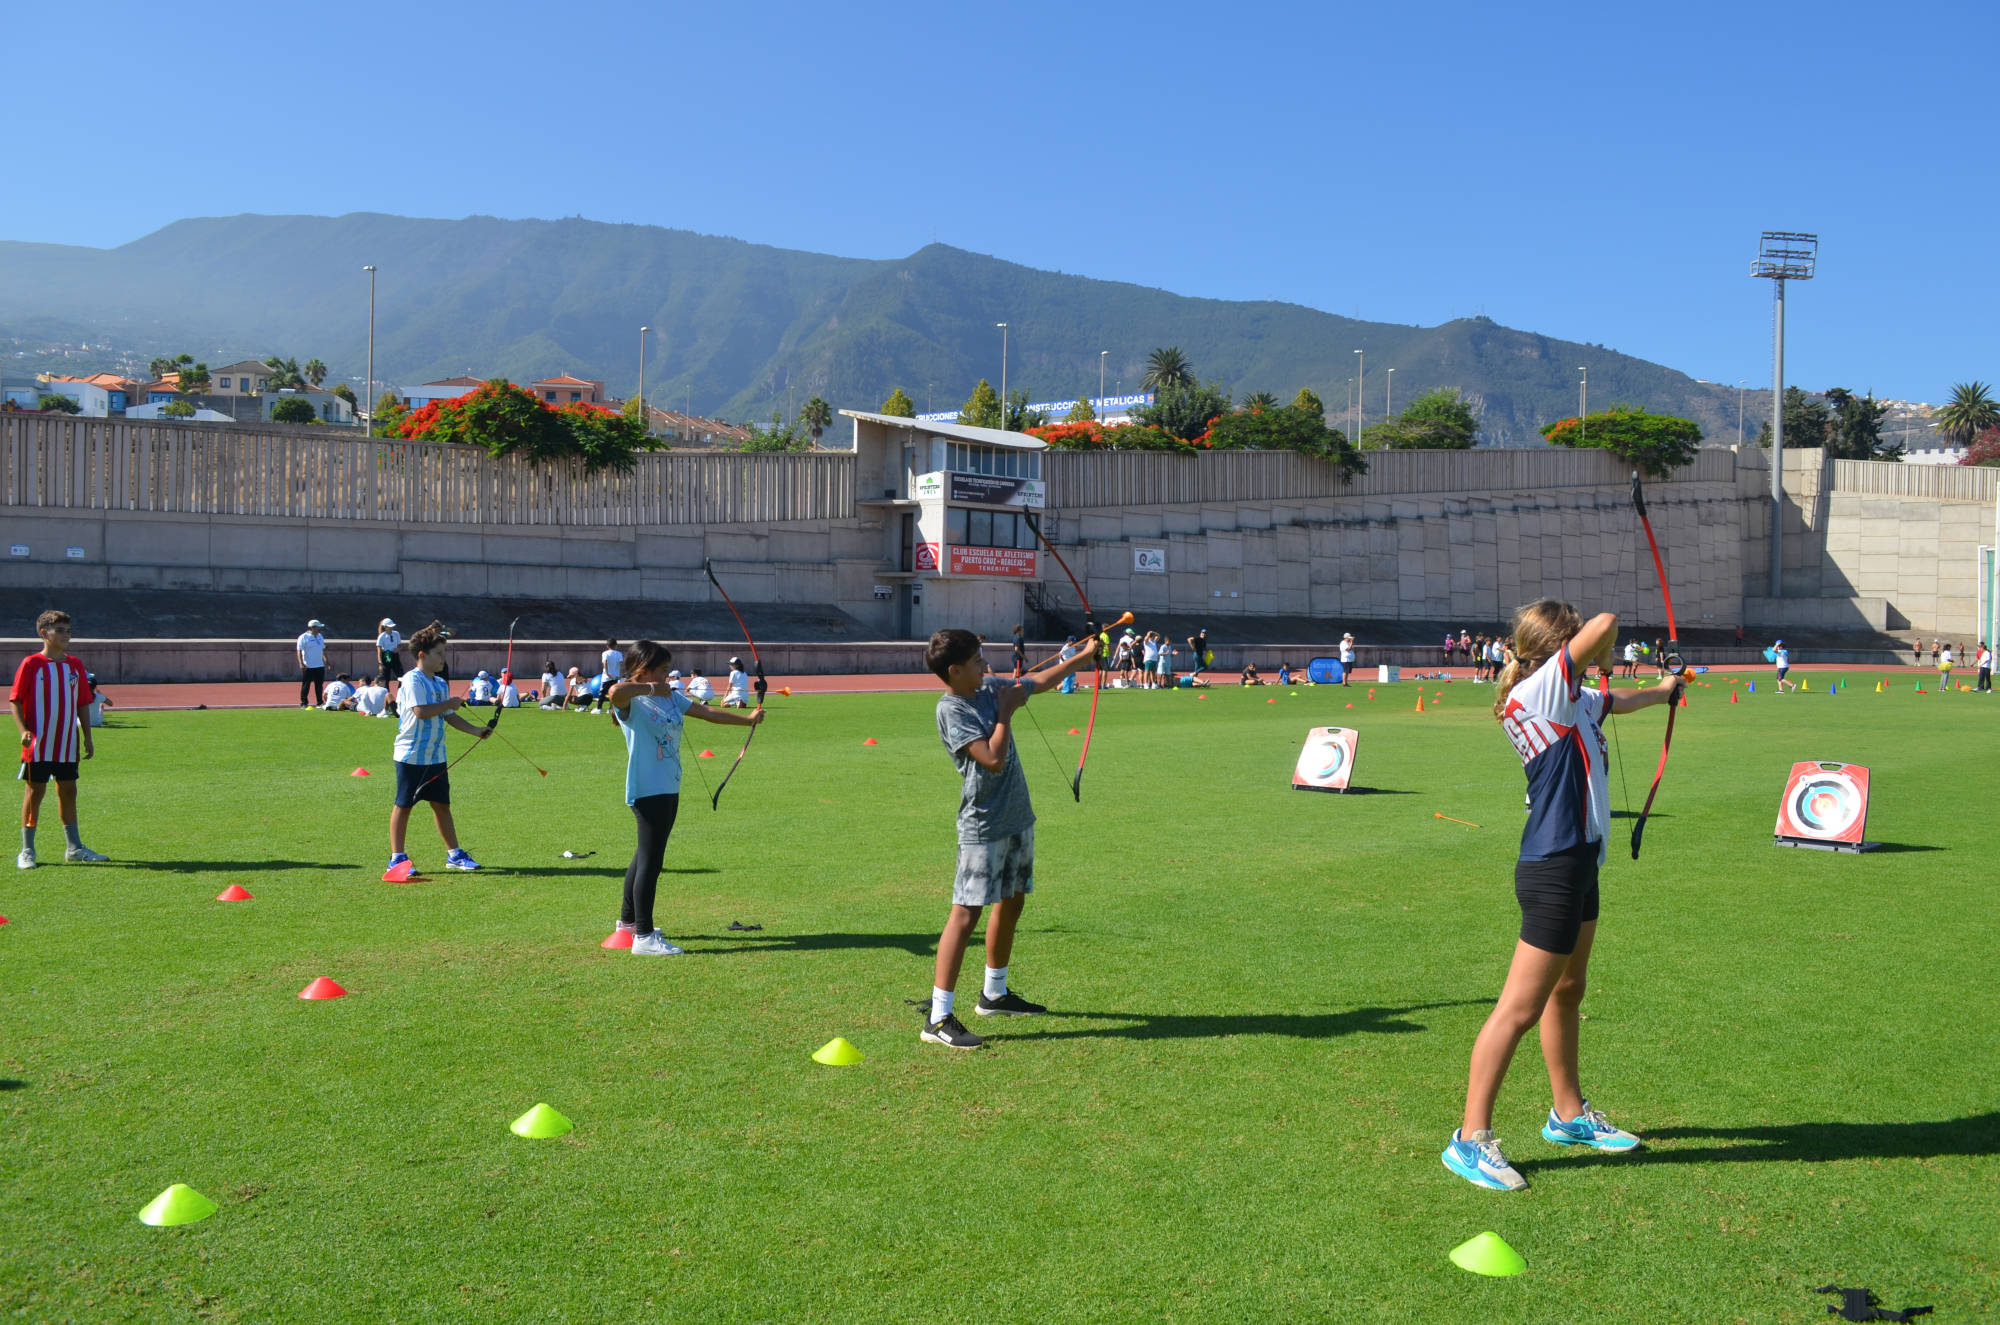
{"points": [[233, 893], [1732, 697], [871, 741], [361, 773], [1684, 701], [620, 938], [322, 988], [400, 872], [706, 754]]}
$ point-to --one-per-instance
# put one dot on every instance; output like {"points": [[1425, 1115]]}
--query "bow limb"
{"points": [[1672, 661], [759, 684], [1097, 642]]}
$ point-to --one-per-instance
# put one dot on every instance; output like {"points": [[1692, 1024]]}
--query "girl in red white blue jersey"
{"points": [[1554, 724], [51, 699]]}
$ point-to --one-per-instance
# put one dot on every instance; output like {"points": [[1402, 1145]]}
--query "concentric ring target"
{"points": [[1826, 804], [1336, 759]]}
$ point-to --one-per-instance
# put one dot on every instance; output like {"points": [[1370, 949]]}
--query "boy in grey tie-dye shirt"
{"points": [[996, 824]]}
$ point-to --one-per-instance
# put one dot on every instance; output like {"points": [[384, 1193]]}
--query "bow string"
{"points": [[758, 683]]}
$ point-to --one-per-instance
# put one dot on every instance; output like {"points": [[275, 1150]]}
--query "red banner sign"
{"points": [[1014, 561]]}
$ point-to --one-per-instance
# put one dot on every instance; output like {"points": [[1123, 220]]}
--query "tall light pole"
{"points": [[644, 422], [1389, 397], [1100, 373], [1583, 404], [1003, 374], [1782, 255], [1360, 385], [1740, 384], [368, 392]]}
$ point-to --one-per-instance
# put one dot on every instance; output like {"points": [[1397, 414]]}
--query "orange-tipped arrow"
{"points": [[1448, 819]]}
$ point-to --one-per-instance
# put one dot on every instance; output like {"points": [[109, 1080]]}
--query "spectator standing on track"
{"points": [[51, 692], [1346, 656], [1149, 659], [311, 649], [1020, 651], [387, 640], [614, 662]]}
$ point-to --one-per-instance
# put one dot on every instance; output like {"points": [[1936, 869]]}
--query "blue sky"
{"points": [[1595, 172]]}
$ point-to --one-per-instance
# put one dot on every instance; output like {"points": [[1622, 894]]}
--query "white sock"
{"points": [[996, 982], [940, 1005]]}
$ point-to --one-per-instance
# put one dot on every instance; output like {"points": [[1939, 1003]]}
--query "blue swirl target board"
{"points": [[1326, 761], [1825, 807]]}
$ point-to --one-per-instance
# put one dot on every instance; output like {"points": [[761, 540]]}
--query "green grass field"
{"points": [[1262, 1005]]}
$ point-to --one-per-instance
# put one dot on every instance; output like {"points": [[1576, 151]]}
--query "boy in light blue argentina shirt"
{"points": [[424, 705]]}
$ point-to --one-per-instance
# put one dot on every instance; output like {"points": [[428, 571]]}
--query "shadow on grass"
{"points": [[1894, 848], [227, 866], [590, 871], [1804, 1143], [1297, 1025], [917, 945], [12, 1083], [1379, 791]]}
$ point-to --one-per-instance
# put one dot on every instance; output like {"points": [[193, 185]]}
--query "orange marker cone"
{"points": [[233, 893], [1732, 697], [361, 773], [1420, 703], [620, 938], [322, 988], [3, 920], [871, 741], [1072, 732], [1270, 701], [400, 872], [706, 754], [1350, 706]]}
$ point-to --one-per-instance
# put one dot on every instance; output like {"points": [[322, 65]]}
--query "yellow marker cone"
{"points": [[837, 1052], [1488, 1254], [540, 1123], [178, 1204], [1806, 684]]}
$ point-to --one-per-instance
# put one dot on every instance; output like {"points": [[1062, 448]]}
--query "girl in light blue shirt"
{"points": [[649, 712]]}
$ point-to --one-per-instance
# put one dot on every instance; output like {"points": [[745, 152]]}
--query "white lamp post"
{"points": [[368, 392]]}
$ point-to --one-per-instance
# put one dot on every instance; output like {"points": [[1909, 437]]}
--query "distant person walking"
{"points": [[1782, 656], [312, 664], [1020, 651], [1346, 657], [1945, 658], [1198, 642], [387, 640]]}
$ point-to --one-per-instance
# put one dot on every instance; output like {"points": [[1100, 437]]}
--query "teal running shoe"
{"points": [[1589, 1128], [1480, 1163]]}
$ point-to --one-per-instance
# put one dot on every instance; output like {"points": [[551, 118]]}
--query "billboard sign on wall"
{"points": [[1015, 562], [993, 490]]}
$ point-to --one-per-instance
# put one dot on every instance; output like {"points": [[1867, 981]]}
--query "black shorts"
{"points": [[48, 770], [422, 782], [1558, 897]]}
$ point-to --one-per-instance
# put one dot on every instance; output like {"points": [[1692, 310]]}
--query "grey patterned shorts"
{"points": [[990, 872]]}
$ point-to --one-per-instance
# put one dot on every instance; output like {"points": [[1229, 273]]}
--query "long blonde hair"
{"points": [[1540, 629]]}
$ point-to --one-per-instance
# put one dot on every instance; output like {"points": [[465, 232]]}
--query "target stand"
{"points": [[1825, 808], [1326, 761]]}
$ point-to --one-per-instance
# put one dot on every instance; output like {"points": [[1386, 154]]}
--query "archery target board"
{"points": [[1825, 807], [1326, 761]]}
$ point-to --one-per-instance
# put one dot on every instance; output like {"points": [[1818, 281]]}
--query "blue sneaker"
{"points": [[397, 858], [1589, 1128], [457, 859], [1480, 1163]]}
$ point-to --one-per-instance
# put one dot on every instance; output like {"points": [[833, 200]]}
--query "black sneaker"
{"points": [[951, 1033], [1009, 1004]]}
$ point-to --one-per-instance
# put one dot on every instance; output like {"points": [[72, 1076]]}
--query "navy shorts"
{"points": [[422, 782], [48, 770], [1558, 897]]}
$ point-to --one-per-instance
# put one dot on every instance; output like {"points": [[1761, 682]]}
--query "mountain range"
{"points": [[739, 329]]}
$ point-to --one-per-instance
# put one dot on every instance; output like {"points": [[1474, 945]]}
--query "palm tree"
{"points": [[817, 416], [1972, 411], [1261, 401], [1167, 369], [315, 372]]}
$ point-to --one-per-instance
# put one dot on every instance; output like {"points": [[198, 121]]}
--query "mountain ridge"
{"points": [[740, 328]]}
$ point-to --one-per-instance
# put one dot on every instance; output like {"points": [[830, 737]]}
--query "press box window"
{"points": [[969, 528]]}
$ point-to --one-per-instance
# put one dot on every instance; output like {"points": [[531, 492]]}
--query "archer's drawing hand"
{"points": [[1009, 699]]}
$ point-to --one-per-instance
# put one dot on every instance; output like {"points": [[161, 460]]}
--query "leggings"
{"points": [[642, 877]]}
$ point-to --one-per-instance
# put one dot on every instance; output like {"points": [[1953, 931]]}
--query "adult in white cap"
{"points": [[1346, 657], [312, 664], [387, 640]]}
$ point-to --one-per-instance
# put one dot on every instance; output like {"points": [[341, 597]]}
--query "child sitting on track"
{"points": [[996, 823], [1554, 725]]}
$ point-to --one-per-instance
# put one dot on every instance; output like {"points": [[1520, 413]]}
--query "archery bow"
{"points": [[1098, 642], [492, 723], [1671, 660], [759, 684]]}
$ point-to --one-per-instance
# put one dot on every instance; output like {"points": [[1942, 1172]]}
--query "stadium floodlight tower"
{"points": [[1782, 255]]}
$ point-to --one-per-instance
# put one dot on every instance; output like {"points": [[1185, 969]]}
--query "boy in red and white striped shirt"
{"points": [[51, 700]]}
